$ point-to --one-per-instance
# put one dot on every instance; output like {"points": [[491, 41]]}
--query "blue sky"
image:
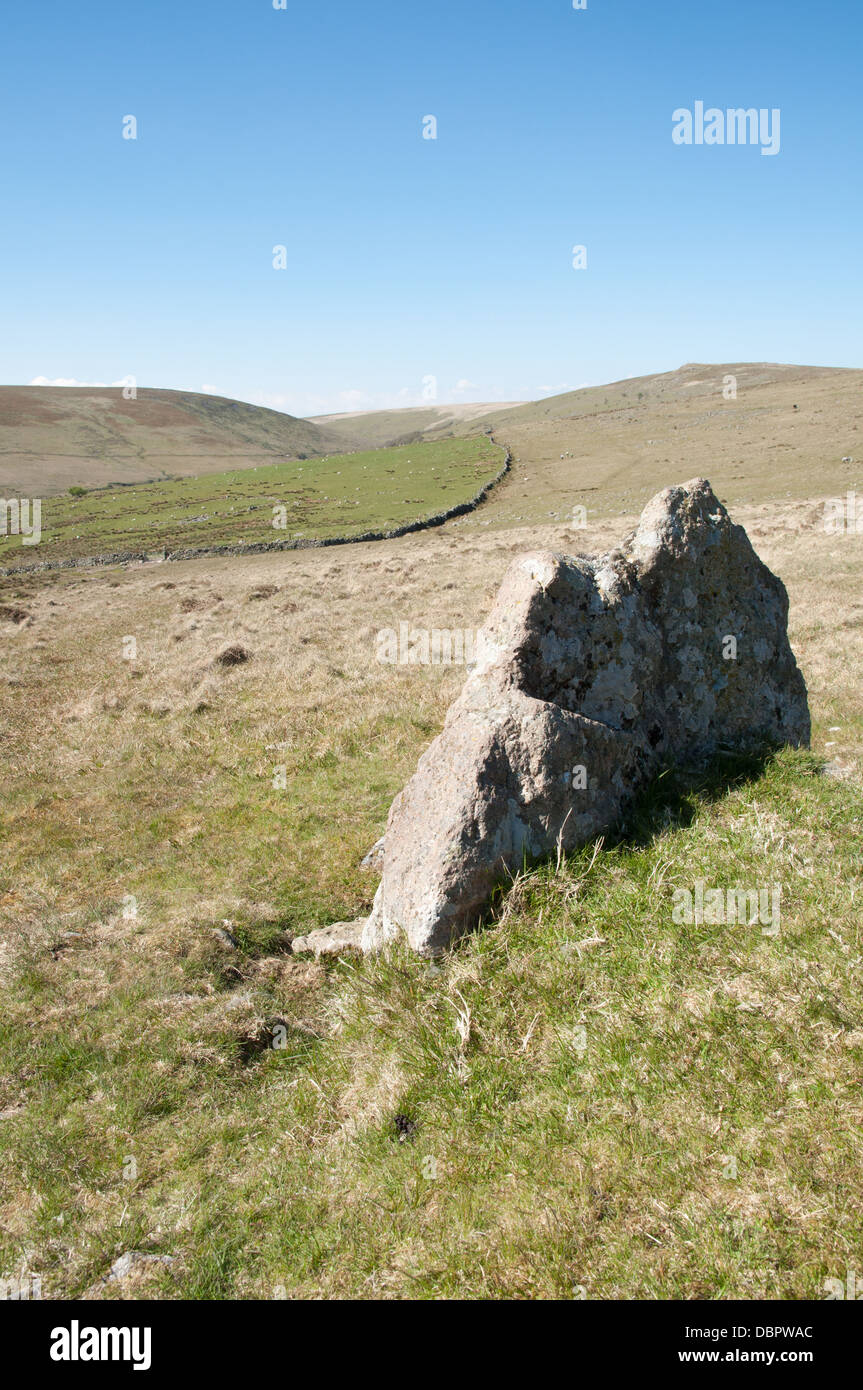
{"points": [[410, 258]]}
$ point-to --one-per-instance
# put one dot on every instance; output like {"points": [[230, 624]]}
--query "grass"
{"points": [[559, 1105], [599, 1100], [335, 496], [54, 438], [612, 448]]}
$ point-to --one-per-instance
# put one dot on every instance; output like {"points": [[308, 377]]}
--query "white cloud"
{"points": [[291, 403], [342, 402], [562, 386], [72, 381], [209, 390]]}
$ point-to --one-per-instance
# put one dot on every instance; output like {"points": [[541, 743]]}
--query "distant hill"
{"points": [[788, 430], [780, 431], [377, 429], [694, 381], [55, 437]]}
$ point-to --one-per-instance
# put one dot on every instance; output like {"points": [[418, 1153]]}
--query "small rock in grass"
{"points": [[133, 1259], [330, 941]]}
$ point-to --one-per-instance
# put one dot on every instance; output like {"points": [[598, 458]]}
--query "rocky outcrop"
{"points": [[591, 675]]}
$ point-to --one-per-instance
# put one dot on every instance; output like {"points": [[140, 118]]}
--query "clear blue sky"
{"points": [[411, 257]]}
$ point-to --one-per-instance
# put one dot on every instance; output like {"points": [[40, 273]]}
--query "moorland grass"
{"points": [[600, 1102], [342, 495], [584, 1097]]}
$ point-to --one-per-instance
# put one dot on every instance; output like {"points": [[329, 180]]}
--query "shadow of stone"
{"points": [[671, 800], [673, 797]]}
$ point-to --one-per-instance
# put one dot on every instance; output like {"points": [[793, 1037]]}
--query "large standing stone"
{"points": [[591, 674]]}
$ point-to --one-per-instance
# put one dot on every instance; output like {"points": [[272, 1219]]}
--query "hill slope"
{"points": [[608, 447], [375, 429], [790, 431], [274, 504], [55, 437], [587, 1098], [612, 447]]}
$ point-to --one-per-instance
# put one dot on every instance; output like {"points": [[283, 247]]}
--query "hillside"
{"points": [[381, 490], [56, 437], [607, 447], [375, 429], [611, 447], [791, 431], [584, 1099]]}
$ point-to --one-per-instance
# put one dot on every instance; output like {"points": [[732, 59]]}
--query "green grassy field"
{"points": [[586, 1098], [340, 495], [583, 1099]]}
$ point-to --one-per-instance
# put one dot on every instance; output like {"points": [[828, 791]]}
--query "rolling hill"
{"points": [[789, 431], [376, 429], [585, 1099], [608, 447], [778, 428], [56, 437], [281, 503]]}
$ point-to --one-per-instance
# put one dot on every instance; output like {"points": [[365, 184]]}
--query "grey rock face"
{"points": [[330, 941], [592, 673], [375, 857]]}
